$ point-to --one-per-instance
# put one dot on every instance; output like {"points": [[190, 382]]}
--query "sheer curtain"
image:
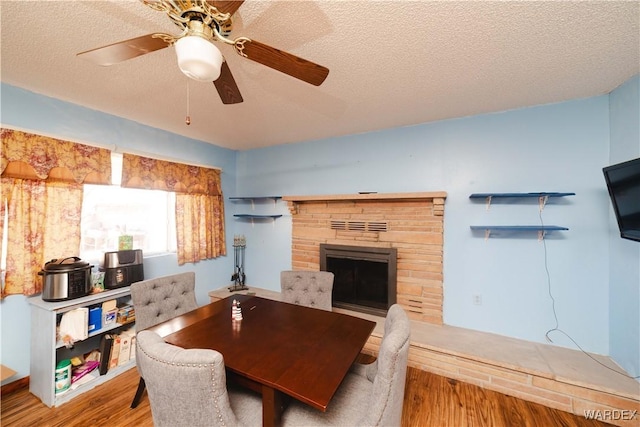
{"points": [[199, 203], [41, 201]]}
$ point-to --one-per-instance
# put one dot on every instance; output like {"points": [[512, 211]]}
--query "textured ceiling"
{"points": [[392, 63]]}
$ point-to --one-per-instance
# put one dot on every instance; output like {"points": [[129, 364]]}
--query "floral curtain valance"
{"points": [[147, 173], [28, 156]]}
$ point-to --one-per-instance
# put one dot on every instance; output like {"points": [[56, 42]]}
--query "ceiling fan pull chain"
{"points": [[188, 118]]}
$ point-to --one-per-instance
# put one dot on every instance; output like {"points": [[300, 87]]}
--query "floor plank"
{"points": [[430, 401]]}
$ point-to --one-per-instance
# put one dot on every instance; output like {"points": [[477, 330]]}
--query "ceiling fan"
{"points": [[202, 23]]}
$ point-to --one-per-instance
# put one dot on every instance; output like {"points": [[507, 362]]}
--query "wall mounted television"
{"points": [[623, 183]]}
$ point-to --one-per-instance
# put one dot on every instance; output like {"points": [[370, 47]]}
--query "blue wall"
{"points": [[624, 265], [559, 147], [25, 110]]}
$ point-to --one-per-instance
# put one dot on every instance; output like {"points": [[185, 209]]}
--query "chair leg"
{"points": [[139, 392]]}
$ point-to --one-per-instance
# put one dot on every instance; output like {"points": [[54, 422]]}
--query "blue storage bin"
{"points": [[95, 319]]}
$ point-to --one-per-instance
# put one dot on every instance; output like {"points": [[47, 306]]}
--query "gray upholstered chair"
{"points": [[370, 395], [308, 288], [157, 300], [188, 387]]}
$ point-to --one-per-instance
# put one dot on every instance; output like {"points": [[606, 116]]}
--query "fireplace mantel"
{"points": [[368, 196], [437, 197]]}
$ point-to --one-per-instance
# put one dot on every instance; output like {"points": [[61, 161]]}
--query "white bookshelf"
{"points": [[47, 350]]}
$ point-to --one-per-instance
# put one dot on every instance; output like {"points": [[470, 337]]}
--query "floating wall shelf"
{"points": [[540, 229], [252, 199], [542, 196], [251, 216], [256, 198]]}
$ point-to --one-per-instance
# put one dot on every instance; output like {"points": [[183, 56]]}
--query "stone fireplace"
{"points": [[409, 224]]}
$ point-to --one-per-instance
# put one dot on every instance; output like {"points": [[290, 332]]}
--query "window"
{"points": [[66, 217], [98, 214], [109, 211]]}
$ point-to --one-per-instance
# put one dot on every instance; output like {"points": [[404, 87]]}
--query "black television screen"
{"points": [[623, 183]]}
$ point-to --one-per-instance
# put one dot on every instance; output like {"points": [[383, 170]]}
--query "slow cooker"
{"points": [[65, 279]]}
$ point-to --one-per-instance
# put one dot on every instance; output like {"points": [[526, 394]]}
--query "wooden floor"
{"points": [[430, 401]]}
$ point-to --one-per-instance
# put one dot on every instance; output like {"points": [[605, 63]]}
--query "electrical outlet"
{"points": [[477, 299]]}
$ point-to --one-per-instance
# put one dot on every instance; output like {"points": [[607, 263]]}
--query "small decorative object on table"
{"points": [[238, 277], [236, 311]]}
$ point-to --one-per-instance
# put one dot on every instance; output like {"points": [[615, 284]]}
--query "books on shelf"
{"points": [[115, 352], [125, 347], [117, 349], [105, 352]]}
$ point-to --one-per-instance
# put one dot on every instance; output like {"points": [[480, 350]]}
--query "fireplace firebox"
{"points": [[364, 277]]}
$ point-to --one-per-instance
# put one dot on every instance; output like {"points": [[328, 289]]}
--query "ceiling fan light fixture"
{"points": [[198, 58]]}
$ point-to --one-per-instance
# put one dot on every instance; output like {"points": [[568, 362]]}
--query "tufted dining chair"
{"points": [[188, 387], [157, 300], [308, 288], [370, 395]]}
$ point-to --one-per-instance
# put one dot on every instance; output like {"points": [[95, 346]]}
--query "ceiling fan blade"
{"points": [[282, 61], [229, 7], [121, 51], [226, 86]]}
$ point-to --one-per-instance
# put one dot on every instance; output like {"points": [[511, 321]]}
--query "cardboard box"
{"points": [[128, 338], [126, 315], [109, 312], [132, 353], [109, 317], [125, 349]]}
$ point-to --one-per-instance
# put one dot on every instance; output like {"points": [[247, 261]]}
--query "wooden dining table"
{"points": [[278, 349]]}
